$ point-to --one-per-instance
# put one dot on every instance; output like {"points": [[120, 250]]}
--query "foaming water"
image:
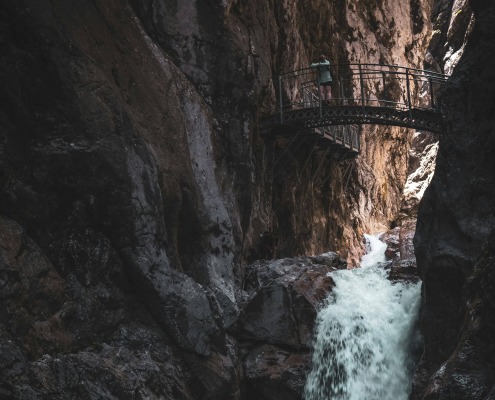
{"points": [[365, 335]]}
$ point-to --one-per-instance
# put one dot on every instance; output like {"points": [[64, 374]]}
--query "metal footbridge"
{"points": [[360, 94]]}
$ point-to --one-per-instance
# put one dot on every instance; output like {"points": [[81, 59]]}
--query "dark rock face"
{"points": [[453, 22], [468, 373], [95, 125], [67, 338], [273, 372], [133, 188], [455, 219], [277, 322]]}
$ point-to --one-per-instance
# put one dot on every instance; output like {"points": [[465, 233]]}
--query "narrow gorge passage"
{"points": [[366, 335]]}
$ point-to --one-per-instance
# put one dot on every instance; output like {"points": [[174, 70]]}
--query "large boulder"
{"points": [[284, 296], [282, 300], [400, 252]]}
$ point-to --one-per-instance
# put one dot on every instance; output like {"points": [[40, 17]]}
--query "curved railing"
{"points": [[361, 94]]}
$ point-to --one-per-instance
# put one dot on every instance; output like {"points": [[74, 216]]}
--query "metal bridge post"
{"points": [[384, 83], [319, 99], [432, 99], [408, 93], [357, 138], [280, 99], [362, 86]]}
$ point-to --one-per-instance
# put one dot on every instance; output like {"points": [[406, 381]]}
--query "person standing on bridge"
{"points": [[324, 77]]}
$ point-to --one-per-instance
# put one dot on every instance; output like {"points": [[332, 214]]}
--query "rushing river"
{"points": [[365, 335]]}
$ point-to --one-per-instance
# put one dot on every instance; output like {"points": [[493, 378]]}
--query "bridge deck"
{"points": [[421, 119]]}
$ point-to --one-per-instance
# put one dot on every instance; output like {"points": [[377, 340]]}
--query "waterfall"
{"points": [[365, 335]]}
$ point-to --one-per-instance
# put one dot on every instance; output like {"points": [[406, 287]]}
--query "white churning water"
{"points": [[365, 335]]}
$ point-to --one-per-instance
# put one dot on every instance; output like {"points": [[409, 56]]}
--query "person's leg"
{"points": [[328, 89]]}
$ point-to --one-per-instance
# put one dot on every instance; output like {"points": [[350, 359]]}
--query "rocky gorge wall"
{"points": [[308, 212], [454, 237], [134, 187]]}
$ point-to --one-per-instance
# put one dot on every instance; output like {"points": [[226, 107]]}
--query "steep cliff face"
{"points": [[457, 217], [105, 145], [232, 56], [134, 185]]}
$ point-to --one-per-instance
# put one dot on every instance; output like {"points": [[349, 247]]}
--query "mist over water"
{"points": [[365, 335]]}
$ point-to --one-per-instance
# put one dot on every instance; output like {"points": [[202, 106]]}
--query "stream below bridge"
{"points": [[366, 335]]}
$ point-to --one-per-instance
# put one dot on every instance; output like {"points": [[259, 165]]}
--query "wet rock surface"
{"points": [[277, 322], [273, 372], [283, 297], [400, 252]]}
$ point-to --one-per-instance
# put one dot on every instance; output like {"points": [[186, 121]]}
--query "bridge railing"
{"points": [[363, 85]]}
